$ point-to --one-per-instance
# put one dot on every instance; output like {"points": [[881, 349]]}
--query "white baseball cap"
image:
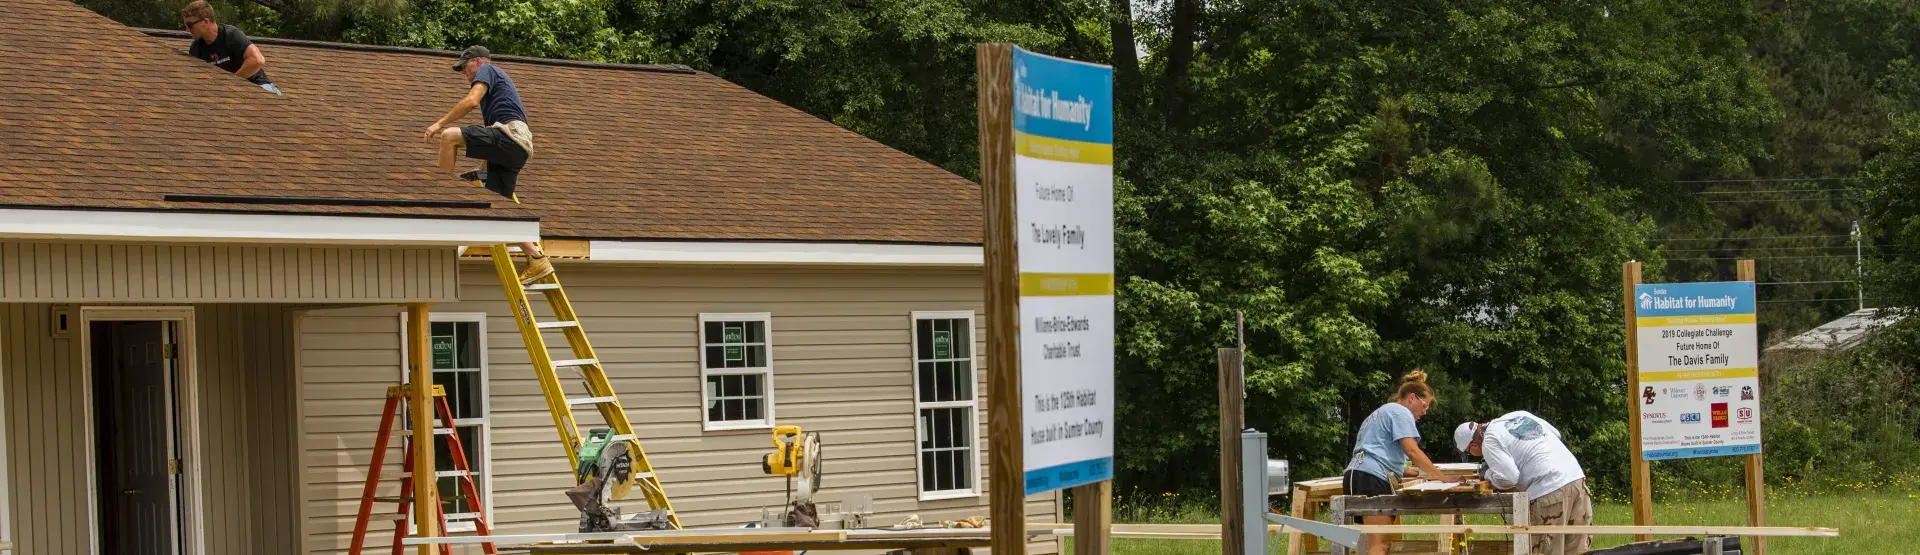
{"points": [[1463, 435]]}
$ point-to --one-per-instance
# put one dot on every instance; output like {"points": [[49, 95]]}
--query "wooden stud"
{"points": [[1641, 470], [420, 408], [1232, 420], [1093, 518], [1756, 471], [1302, 508], [1006, 470]]}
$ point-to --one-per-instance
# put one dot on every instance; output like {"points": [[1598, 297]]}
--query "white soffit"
{"points": [[714, 252], [29, 223]]}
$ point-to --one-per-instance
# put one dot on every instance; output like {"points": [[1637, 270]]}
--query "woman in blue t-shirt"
{"points": [[1387, 440]]}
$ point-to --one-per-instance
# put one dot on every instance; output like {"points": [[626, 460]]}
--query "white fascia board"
{"points": [[29, 223], [716, 252]]}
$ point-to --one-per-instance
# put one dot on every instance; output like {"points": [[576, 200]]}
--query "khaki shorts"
{"points": [[1571, 505]]}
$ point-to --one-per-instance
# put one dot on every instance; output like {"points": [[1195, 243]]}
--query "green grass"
{"points": [[1870, 524]]}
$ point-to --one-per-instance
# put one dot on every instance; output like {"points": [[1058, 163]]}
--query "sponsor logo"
{"points": [[1699, 392], [1649, 394], [1745, 415], [1646, 301], [1689, 418], [1676, 392], [1746, 393], [1652, 415], [1723, 391], [1719, 415]]}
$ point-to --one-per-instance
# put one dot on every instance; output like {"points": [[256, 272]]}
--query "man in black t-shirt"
{"points": [[224, 45]]}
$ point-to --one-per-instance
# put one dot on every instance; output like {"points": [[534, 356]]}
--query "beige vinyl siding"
{"points": [[841, 366], [244, 369], [116, 272]]}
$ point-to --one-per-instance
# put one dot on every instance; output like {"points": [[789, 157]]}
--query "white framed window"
{"points": [[736, 370], [459, 364], [945, 400]]}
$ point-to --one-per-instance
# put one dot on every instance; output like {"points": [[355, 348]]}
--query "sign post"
{"points": [[1046, 147], [1695, 373], [1642, 471]]}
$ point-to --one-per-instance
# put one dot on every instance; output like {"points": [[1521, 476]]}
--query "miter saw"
{"points": [[606, 474], [796, 455]]}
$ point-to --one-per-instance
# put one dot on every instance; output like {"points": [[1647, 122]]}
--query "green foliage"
{"points": [[1378, 185]]}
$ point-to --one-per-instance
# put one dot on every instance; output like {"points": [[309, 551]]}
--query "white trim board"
{"points": [[31, 223], [731, 252]]}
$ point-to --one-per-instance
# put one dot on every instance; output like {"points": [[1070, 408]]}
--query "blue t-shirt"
{"points": [[1376, 450], [502, 101]]}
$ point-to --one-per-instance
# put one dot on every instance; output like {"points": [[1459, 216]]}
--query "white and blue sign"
{"points": [[1699, 359], [1063, 215]]}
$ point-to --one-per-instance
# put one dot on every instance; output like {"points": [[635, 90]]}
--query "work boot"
{"points": [[477, 176], [536, 269]]}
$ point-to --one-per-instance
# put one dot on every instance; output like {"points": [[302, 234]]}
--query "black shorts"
{"points": [[504, 157], [1356, 482]]}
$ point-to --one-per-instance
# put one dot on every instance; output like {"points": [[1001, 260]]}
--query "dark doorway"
{"points": [[135, 447]]}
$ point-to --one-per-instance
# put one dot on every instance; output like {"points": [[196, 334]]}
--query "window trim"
{"points": [[700, 344], [913, 367], [455, 522]]}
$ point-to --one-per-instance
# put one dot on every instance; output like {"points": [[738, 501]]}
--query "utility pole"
{"points": [[1859, 265]]}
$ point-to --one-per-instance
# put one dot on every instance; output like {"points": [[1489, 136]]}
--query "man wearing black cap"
{"points": [[502, 145]]}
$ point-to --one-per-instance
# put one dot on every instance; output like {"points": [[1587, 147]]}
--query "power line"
{"points": [[1749, 238], [1804, 282], [1751, 249], [1763, 257], [1811, 198], [1773, 191], [1767, 180], [1835, 299]]}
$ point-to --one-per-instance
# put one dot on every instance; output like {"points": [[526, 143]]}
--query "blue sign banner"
{"points": [[1062, 99], [1697, 452], [1069, 475], [1693, 299]]}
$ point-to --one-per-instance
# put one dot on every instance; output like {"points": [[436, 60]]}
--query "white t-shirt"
{"points": [[1524, 451]]}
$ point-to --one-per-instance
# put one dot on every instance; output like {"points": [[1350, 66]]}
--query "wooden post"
{"points": [[1756, 473], [1006, 470], [1093, 518], [1641, 470], [1232, 420], [420, 409]]}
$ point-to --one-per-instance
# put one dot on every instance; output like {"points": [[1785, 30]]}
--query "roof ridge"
{"points": [[651, 68]]}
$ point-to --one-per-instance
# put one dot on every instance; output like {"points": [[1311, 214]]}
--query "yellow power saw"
{"points": [[796, 455]]}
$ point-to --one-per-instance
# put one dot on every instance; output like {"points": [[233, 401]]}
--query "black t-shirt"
{"points": [[229, 51]]}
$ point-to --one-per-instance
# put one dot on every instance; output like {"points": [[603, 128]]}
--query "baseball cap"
{"points": [[1463, 435], [475, 51]]}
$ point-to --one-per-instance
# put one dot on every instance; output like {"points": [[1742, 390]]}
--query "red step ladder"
{"points": [[395, 395]]}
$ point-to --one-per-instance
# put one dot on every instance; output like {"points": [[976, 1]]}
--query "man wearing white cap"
{"points": [[1524, 452]]}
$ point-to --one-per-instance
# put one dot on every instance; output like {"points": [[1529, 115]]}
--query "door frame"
{"points": [[186, 399]]}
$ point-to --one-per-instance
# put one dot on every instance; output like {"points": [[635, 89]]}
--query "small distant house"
{"points": [[200, 291]]}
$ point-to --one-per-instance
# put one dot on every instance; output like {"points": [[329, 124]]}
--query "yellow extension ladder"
{"points": [[599, 390]]}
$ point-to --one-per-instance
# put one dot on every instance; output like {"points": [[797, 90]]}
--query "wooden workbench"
{"points": [[1511, 505], [1311, 498]]}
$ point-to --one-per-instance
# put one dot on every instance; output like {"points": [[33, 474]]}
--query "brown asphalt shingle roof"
{"points": [[96, 115], [629, 153]]}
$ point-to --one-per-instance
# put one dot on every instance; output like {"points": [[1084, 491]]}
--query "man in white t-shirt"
{"points": [[1524, 452]]}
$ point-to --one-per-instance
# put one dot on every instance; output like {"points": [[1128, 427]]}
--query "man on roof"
{"points": [[502, 145], [224, 45]]}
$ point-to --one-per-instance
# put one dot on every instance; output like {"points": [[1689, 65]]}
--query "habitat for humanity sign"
{"points": [[1063, 173], [1699, 370]]}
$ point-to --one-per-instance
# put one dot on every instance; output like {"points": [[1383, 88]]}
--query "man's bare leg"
{"points": [[450, 140]]}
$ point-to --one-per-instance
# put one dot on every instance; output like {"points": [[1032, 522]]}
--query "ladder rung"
{"points": [[542, 287], [407, 499], [592, 400], [552, 325], [442, 474], [577, 362]]}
